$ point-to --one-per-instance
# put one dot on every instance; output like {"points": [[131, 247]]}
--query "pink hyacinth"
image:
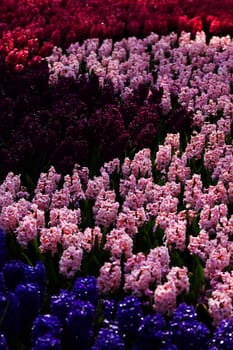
{"points": [[220, 307], [89, 237], [109, 277], [165, 298], [49, 239], [70, 261], [119, 242]]}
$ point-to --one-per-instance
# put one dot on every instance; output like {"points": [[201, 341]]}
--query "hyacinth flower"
{"points": [[223, 336], [29, 303], [109, 338], [13, 272], [151, 333], [128, 316], [186, 331], [108, 309], [46, 327], [79, 325], [85, 288], [61, 305]]}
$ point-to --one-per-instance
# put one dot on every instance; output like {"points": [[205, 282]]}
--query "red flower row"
{"points": [[29, 30]]}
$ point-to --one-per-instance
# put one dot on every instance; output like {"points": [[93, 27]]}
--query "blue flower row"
{"points": [[79, 318]]}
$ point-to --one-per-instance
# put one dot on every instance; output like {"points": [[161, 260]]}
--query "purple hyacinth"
{"points": [[151, 333], [129, 315], [109, 338], [223, 336], [85, 288], [13, 272], [186, 331], [46, 325], [79, 324]]}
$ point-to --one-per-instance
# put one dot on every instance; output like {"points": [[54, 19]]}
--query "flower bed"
{"points": [[116, 176]]}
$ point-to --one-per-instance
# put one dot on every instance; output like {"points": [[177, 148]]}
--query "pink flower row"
{"points": [[174, 202]]}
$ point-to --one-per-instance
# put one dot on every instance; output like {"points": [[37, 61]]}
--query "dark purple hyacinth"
{"points": [[186, 331], [109, 338], [129, 315], [85, 288], [79, 325], [144, 126], [46, 326], [151, 333], [223, 336]]}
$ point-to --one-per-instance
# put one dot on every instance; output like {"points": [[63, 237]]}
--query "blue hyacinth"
{"points": [[46, 325], [129, 315], [109, 338], [151, 333], [79, 324], [223, 336], [108, 308], [85, 288], [13, 272], [61, 304], [36, 275], [186, 331], [29, 302]]}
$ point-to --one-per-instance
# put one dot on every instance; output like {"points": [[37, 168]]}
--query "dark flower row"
{"points": [[29, 30], [75, 121]]}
